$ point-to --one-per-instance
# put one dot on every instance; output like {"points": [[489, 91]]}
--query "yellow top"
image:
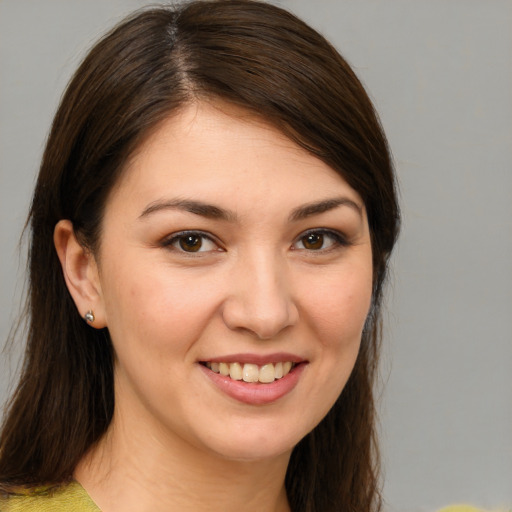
{"points": [[74, 498], [461, 508], [71, 498]]}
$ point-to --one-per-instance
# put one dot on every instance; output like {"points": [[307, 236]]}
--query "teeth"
{"points": [[252, 372], [235, 371], [267, 373], [224, 369]]}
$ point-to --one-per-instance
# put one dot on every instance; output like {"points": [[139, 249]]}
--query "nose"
{"points": [[259, 300]]}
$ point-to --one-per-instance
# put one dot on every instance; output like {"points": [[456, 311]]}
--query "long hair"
{"points": [[256, 56]]}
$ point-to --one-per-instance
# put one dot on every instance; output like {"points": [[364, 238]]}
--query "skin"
{"points": [[257, 286]]}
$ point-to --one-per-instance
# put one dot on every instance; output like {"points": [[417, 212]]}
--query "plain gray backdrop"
{"points": [[440, 74]]}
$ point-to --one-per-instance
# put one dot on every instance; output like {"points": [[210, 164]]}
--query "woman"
{"points": [[211, 228]]}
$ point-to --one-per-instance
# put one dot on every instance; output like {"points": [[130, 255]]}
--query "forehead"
{"points": [[223, 151]]}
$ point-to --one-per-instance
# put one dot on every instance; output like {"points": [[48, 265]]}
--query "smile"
{"points": [[250, 372]]}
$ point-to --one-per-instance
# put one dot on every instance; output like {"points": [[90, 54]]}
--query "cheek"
{"points": [[338, 306], [157, 308], [335, 310]]}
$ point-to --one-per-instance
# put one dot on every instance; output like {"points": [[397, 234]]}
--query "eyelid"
{"points": [[340, 240], [171, 239]]}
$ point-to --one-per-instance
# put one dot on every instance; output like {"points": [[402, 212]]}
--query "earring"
{"points": [[89, 317]]}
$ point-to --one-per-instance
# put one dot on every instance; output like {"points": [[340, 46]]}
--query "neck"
{"points": [[134, 470]]}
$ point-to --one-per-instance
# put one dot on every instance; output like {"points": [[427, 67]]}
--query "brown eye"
{"points": [[190, 243], [313, 241], [320, 240]]}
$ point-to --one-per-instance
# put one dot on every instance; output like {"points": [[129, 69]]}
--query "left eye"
{"points": [[192, 242], [318, 240]]}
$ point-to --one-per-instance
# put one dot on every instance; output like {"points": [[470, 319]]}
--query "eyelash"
{"points": [[176, 237], [339, 240]]}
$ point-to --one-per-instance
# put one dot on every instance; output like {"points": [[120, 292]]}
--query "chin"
{"points": [[255, 452], [257, 442]]}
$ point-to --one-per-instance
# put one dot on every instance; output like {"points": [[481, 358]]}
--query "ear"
{"points": [[80, 273]]}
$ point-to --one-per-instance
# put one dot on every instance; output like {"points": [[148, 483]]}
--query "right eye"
{"points": [[191, 242]]}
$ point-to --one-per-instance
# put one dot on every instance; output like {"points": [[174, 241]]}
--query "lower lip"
{"points": [[255, 393]]}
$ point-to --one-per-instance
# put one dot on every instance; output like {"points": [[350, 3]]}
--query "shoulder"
{"points": [[71, 497]]}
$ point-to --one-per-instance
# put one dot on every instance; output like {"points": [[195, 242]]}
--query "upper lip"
{"points": [[259, 359]]}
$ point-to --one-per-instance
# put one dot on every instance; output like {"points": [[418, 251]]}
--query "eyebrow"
{"points": [[308, 210], [215, 212], [197, 207]]}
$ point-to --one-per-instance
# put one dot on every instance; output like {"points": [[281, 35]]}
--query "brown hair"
{"points": [[257, 56]]}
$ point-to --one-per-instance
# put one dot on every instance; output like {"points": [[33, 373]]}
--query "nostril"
{"points": [[260, 302]]}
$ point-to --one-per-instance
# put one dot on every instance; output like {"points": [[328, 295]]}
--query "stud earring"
{"points": [[89, 317]]}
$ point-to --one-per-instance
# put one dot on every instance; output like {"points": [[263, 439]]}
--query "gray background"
{"points": [[440, 73]]}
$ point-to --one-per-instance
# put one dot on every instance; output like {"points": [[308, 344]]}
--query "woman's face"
{"points": [[228, 253]]}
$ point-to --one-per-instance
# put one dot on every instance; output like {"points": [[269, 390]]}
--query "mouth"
{"points": [[255, 379], [251, 372]]}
